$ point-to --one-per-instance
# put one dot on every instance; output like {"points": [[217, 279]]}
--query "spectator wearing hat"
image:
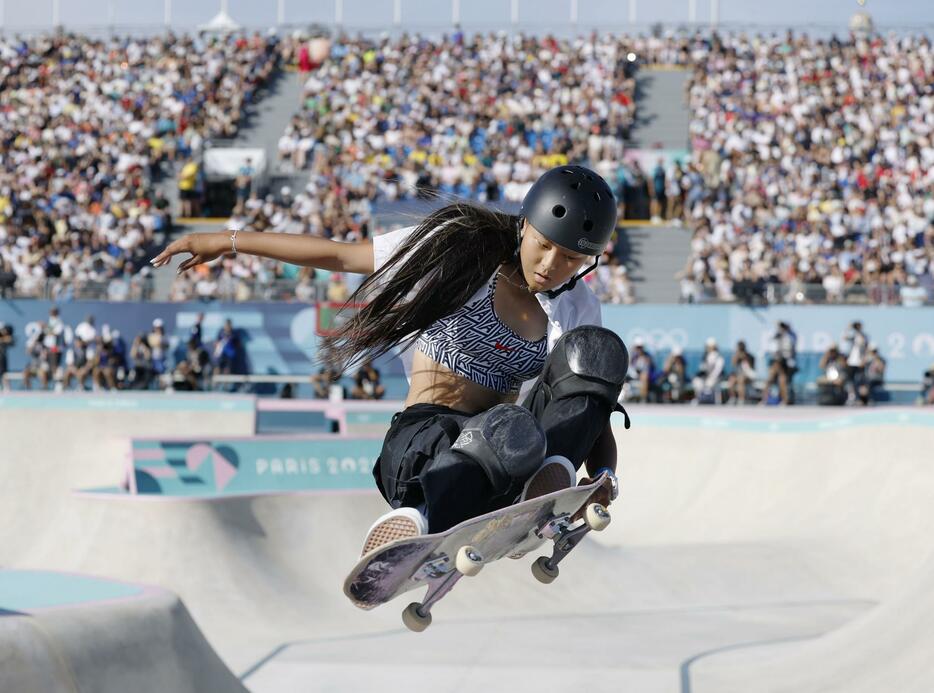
{"points": [[159, 348], [672, 382], [707, 379]]}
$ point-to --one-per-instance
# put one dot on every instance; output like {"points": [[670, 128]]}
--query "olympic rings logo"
{"points": [[658, 339]]}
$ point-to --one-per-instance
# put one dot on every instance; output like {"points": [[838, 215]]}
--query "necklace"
{"points": [[523, 286]]}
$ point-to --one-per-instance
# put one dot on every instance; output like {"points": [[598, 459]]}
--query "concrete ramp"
{"points": [[752, 550], [101, 636]]}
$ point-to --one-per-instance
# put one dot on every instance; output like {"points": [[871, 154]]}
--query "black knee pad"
{"points": [[587, 360], [506, 441]]}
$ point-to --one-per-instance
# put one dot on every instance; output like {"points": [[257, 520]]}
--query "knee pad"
{"points": [[587, 360], [506, 441]]}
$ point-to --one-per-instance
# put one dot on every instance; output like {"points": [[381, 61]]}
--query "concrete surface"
{"points": [[752, 550]]}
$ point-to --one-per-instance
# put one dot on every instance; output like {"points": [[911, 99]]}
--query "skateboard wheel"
{"points": [[597, 517], [543, 572], [468, 560], [413, 619]]}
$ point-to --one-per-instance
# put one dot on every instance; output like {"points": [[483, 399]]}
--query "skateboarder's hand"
{"points": [[602, 495], [203, 247]]}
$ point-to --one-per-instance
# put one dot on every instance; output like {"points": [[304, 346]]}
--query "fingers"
{"points": [[193, 261], [171, 249]]}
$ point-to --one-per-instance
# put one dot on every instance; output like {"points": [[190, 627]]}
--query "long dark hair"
{"points": [[445, 260]]}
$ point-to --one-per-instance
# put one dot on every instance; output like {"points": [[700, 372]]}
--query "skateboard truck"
{"points": [[545, 568], [441, 576]]}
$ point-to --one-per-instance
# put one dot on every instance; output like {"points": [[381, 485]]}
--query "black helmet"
{"points": [[573, 207]]}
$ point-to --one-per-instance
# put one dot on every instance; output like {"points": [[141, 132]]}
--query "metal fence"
{"points": [[288, 290], [812, 294]]}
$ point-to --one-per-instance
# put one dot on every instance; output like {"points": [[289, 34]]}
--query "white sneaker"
{"points": [[401, 523], [556, 473]]}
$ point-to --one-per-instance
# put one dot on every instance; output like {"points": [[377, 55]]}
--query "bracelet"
{"points": [[233, 241]]}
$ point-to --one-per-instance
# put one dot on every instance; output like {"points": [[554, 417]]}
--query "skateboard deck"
{"points": [[438, 560]]}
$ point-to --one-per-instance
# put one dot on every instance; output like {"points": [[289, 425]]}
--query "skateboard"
{"points": [[439, 560]]}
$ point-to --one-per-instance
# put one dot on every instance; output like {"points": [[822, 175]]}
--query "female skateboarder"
{"points": [[481, 302]]}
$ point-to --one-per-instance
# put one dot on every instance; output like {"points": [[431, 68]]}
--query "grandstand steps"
{"points": [[653, 255], [265, 121], [662, 117]]}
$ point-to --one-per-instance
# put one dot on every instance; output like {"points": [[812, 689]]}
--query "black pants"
{"points": [[416, 455]]}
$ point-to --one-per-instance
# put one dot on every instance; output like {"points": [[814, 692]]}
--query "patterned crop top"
{"points": [[474, 343]]}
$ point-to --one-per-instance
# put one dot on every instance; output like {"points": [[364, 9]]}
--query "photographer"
{"points": [[326, 381], [77, 364], [142, 373], [199, 361], [673, 379], [367, 383], [38, 358], [927, 386], [104, 364], [7, 279], [831, 384], [783, 363], [743, 375], [873, 377], [6, 342], [641, 369]]}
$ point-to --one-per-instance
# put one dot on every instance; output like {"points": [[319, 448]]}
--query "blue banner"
{"points": [[279, 338]]}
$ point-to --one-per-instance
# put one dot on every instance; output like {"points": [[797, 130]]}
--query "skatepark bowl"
{"points": [[172, 543]]}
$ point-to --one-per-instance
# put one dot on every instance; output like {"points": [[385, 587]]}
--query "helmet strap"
{"points": [[520, 221], [573, 282]]}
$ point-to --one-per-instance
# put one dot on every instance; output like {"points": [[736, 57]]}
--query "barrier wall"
{"points": [[279, 337], [262, 464]]}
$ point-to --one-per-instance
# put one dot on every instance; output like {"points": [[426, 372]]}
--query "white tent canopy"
{"points": [[222, 23]]}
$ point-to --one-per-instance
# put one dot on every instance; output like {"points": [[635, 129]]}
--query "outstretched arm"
{"points": [[308, 251]]}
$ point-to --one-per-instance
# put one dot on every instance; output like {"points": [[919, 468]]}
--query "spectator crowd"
{"points": [[812, 170], [87, 126], [810, 174]]}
